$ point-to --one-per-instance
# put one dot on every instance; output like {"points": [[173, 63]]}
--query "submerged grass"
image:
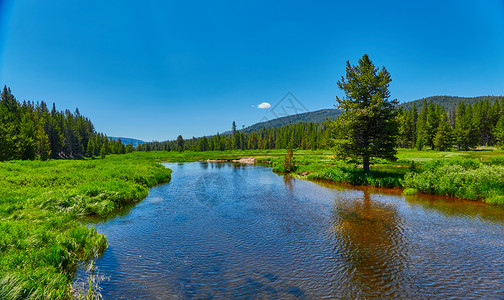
{"points": [[41, 240]]}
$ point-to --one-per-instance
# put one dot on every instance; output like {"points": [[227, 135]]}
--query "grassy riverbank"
{"points": [[475, 175], [41, 241]]}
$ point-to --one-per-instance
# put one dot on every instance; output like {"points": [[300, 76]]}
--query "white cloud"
{"points": [[264, 105]]}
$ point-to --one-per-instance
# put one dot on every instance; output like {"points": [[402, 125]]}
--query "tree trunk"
{"points": [[365, 165]]}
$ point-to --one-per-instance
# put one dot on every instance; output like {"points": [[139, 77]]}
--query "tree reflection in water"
{"points": [[369, 238]]}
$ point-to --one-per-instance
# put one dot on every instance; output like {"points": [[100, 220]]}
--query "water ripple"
{"points": [[227, 231]]}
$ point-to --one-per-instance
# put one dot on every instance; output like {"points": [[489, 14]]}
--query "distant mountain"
{"points": [[448, 102], [127, 141], [313, 116]]}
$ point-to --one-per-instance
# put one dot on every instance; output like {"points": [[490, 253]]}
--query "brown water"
{"points": [[231, 231]]}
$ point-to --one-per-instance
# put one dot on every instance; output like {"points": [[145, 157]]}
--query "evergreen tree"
{"points": [[129, 148], [431, 124], [203, 144], [464, 130], [367, 127], [103, 151], [499, 131], [43, 148], [420, 126], [180, 144], [443, 138]]}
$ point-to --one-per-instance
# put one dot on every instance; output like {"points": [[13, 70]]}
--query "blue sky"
{"points": [[155, 69]]}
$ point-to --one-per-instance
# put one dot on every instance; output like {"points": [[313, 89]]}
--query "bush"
{"points": [[289, 161], [497, 161]]}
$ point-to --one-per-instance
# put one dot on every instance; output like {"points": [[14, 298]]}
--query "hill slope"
{"points": [[127, 141], [448, 102], [317, 116]]}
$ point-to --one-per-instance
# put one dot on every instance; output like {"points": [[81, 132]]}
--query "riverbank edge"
{"points": [[354, 176], [43, 239]]}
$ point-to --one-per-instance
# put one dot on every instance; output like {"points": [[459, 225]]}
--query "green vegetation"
{"points": [[464, 126], [29, 131], [303, 136], [40, 202], [449, 103], [458, 177], [367, 127]]}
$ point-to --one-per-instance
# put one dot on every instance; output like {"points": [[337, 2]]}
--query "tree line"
{"points": [[463, 127], [29, 130], [294, 136]]}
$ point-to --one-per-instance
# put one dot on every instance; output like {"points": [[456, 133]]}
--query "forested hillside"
{"points": [[318, 116], [448, 102], [29, 130]]}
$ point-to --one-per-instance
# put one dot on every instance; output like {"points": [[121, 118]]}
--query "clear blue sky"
{"points": [[155, 69]]}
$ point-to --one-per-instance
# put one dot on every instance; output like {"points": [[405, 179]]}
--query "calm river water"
{"points": [[235, 231]]}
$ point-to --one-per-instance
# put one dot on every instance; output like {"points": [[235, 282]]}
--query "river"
{"points": [[238, 231]]}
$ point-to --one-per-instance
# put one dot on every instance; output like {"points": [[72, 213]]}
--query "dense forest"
{"points": [[463, 126], [29, 130]]}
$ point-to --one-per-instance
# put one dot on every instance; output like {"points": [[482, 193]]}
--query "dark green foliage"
{"points": [[443, 139], [179, 145], [499, 131], [103, 151], [413, 166], [367, 127], [203, 144], [29, 130], [465, 131], [465, 126]]}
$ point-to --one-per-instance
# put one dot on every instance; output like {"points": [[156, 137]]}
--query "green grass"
{"points": [[41, 241]]}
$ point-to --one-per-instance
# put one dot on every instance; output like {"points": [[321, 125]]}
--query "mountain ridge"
{"points": [[127, 141]]}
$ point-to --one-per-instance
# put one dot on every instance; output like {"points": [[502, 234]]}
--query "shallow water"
{"points": [[233, 231]]}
